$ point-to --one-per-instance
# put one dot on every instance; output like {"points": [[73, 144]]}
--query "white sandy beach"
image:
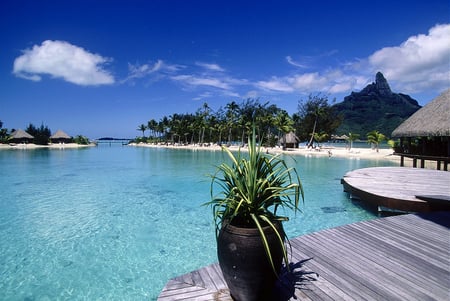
{"points": [[354, 153], [35, 146], [362, 153]]}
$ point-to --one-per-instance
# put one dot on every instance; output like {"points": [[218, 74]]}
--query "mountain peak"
{"points": [[375, 107], [379, 87], [382, 85]]}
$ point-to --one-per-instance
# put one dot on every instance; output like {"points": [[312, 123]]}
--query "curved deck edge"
{"points": [[399, 188]]}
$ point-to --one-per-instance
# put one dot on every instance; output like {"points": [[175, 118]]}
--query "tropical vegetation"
{"points": [[41, 135], [351, 138], [252, 189], [232, 123], [375, 138], [3, 133]]}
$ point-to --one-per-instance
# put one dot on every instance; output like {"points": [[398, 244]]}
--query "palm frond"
{"points": [[252, 188]]}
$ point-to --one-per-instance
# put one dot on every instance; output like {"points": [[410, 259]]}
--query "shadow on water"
{"points": [[296, 277]]}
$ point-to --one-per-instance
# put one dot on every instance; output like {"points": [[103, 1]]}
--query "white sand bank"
{"points": [[50, 146], [362, 153]]}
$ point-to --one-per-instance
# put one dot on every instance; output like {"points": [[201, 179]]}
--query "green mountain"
{"points": [[375, 107]]}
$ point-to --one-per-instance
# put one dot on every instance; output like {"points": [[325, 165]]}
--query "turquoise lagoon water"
{"points": [[115, 223]]}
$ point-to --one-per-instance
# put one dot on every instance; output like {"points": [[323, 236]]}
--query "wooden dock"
{"points": [[400, 188], [394, 258]]}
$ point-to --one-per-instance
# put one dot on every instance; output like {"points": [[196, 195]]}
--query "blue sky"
{"points": [[101, 68]]}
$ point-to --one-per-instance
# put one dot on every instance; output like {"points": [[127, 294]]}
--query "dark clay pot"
{"points": [[244, 263]]}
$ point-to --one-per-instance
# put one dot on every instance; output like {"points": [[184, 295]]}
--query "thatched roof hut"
{"points": [[426, 134], [20, 136], [60, 137], [433, 120], [290, 140], [341, 138]]}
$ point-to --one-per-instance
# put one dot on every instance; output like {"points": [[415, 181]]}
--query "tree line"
{"points": [[314, 121], [41, 135]]}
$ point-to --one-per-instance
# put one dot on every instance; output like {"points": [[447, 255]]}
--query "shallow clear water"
{"points": [[115, 223]]}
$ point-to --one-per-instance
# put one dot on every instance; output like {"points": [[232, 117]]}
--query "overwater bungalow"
{"points": [[426, 134]]}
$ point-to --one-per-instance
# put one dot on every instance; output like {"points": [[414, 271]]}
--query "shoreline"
{"points": [[25, 146], [357, 153], [383, 154], [360, 153]]}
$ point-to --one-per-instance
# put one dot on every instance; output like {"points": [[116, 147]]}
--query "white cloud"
{"points": [[192, 80], [211, 67], [61, 59], [156, 71], [138, 71], [291, 61], [421, 62], [203, 96], [333, 81], [308, 81], [276, 84]]}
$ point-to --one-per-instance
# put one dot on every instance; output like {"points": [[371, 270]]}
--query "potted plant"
{"points": [[250, 236]]}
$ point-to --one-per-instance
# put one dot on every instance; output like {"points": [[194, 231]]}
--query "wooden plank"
{"points": [[396, 258], [402, 269], [355, 271], [397, 187]]}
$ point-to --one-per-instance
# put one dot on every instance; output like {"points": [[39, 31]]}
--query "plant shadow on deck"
{"points": [[440, 218], [292, 279]]}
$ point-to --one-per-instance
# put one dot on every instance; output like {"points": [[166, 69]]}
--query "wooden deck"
{"points": [[395, 258], [400, 188]]}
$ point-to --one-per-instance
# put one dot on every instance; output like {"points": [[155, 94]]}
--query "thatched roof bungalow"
{"points": [[426, 133], [290, 140], [60, 137], [20, 136]]}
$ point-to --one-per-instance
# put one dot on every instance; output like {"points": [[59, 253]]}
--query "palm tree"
{"points": [[232, 110], [284, 124], [152, 126], [320, 137], [163, 125], [318, 112], [375, 137], [219, 123], [248, 112], [352, 137], [142, 128], [204, 121]]}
